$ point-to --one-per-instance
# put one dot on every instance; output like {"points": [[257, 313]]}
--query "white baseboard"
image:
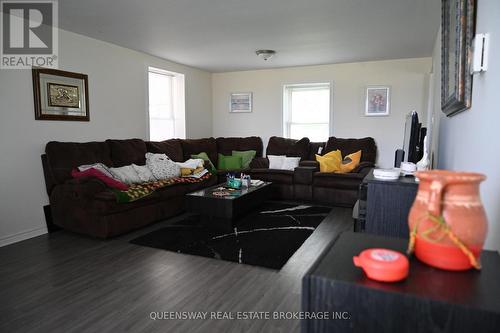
{"points": [[23, 235]]}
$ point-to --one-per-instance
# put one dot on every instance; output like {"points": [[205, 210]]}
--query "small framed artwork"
{"points": [[377, 101], [240, 102], [60, 95]]}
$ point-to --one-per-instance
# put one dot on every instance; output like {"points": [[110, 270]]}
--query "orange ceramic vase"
{"points": [[447, 220]]}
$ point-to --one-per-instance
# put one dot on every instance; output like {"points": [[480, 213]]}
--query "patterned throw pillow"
{"points": [[161, 166]]}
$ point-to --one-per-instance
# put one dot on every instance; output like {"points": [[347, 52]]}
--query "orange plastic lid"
{"points": [[383, 264]]}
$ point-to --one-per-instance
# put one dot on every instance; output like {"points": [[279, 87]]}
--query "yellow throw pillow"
{"points": [[350, 162], [330, 162]]}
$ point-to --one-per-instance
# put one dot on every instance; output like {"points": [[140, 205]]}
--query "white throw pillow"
{"points": [[290, 163], [126, 174], [144, 173], [276, 161], [161, 166]]}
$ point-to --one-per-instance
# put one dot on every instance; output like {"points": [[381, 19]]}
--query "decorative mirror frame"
{"points": [[459, 99]]}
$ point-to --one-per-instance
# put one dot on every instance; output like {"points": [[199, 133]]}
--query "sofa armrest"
{"points": [[363, 168], [303, 175], [85, 187], [314, 164], [259, 163]]}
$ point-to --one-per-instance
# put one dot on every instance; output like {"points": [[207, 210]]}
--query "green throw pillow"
{"points": [[205, 157], [229, 162], [246, 157]]}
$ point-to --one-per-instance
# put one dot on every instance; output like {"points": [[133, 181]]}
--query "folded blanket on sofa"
{"points": [[192, 163], [138, 191]]}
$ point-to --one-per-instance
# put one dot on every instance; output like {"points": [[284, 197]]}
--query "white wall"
{"points": [[469, 140], [408, 79], [118, 102], [436, 114]]}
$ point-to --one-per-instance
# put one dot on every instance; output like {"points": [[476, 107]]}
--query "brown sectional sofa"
{"points": [[342, 189], [87, 206]]}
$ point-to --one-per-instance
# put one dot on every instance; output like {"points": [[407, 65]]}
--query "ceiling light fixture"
{"points": [[265, 54]]}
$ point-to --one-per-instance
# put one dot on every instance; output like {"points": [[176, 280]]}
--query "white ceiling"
{"points": [[222, 35]]}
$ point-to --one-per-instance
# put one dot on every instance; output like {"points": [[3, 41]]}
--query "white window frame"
{"points": [[178, 101], [286, 108]]}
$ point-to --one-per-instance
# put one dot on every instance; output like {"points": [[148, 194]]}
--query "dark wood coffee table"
{"points": [[221, 211]]}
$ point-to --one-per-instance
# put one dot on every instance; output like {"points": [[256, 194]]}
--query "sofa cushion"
{"points": [[172, 148], [62, 157], [348, 146], [225, 146], [181, 189], [288, 147], [273, 175], [196, 146], [126, 152], [105, 202], [163, 193], [314, 148], [259, 163], [348, 181]]}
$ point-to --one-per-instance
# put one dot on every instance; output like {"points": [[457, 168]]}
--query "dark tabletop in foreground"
{"points": [[429, 299]]}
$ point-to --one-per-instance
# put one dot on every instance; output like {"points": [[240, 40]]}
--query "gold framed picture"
{"points": [[60, 95], [63, 95]]}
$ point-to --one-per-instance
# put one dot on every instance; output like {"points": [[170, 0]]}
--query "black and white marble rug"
{"points": [[268, 237]]}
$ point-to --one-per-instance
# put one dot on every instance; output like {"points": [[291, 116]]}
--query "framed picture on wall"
{"points": [[60, 95], [377, 101], [457, 32], [240, 102]]}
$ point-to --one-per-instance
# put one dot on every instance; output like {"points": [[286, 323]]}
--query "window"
{"points": [[167, 118], [306, 111]]}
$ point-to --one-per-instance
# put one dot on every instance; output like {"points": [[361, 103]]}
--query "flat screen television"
{"points": [[411, 140]]}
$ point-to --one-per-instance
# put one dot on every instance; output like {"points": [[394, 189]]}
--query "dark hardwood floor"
{"points": [[63, 282]]}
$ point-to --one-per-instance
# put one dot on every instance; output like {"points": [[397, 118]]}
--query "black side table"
{"points": [[388, 203], [429, 300]]}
